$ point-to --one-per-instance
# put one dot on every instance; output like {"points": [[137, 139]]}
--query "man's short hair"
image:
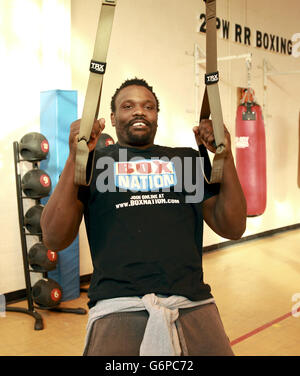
{"points": [[133, 81]]}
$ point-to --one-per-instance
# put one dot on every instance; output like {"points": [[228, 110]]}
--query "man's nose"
{"points": [[138, 110]]}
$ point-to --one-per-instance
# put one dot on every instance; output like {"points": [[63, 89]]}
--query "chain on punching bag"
{"points": [[251, 153]]}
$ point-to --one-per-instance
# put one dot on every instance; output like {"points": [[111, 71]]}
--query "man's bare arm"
{"points": [[225, 213], [63, 212]]}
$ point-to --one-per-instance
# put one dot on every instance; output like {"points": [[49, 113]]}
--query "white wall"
{"points": [[154, 40], [35, 55]]}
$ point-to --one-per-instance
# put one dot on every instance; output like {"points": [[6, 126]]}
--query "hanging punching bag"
{"points": [[251, 153]]}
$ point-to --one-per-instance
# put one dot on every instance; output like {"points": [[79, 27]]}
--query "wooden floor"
{"points": [[253, 283]]}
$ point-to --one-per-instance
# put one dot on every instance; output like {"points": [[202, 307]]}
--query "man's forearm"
{"points": [[231, 207], [62, 215]]}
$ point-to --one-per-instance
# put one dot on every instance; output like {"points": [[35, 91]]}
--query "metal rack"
{"points": [[31, 307]]}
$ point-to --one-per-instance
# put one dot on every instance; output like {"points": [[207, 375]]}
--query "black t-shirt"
{"points": [[144, 222]]}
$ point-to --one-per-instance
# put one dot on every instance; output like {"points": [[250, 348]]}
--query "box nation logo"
{"points": [[144, 175]]}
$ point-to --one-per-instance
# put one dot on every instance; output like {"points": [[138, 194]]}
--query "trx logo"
{"points": [[211, 78], [97, 67]]}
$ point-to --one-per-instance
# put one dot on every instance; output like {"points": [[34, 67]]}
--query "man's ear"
{"points": [[113, 119]]}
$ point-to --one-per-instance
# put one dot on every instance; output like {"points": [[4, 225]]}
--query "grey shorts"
{"points": [[200, 330]]}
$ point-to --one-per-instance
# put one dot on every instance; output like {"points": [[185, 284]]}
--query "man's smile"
{"points": [[139, 124]]}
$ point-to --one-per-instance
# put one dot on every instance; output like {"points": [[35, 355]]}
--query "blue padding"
{"points": [[58, 109]]}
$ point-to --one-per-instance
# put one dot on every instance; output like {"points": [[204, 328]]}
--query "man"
{"points": [[147, 294]]}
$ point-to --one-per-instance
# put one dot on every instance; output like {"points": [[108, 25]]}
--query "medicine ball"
{"points": [[32, 219], [36, 184], [104, 140], [47, 293], [34, 147], [42, 258]]}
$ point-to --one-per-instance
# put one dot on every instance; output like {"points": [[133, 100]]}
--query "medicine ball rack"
{"points": [[31, 310]]}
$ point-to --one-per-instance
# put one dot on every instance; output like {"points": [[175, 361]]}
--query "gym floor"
{"points": [[253, 283]]}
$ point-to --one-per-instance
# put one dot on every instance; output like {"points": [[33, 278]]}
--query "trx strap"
{"points": [[211, 104], [93, 93]]}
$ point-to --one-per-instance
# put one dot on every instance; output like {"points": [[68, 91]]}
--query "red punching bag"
{"points": [[251, 153]]}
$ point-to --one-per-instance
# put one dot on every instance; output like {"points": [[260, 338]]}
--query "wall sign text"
{"points": [[244, 35]]}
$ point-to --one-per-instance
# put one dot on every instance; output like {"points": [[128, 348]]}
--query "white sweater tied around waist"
{"points": [[161, 337]]}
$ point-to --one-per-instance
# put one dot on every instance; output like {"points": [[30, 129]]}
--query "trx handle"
{"points": [[211, 104], [93, 93]]}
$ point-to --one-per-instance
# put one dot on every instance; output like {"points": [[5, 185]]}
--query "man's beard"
{"points": [[140, 138]]}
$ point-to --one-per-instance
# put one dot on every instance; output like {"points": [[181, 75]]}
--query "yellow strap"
{"points": [[93, 93], [211, 104]]}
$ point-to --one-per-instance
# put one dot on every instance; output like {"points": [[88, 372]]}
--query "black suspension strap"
{"points": [[211, 104], [93, 93]]}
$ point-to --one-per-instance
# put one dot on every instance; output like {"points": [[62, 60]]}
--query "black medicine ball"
{"points": [[47, 293], [42, 258], [32, 219], [36, 184], [104, 140], [34, 147]]}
